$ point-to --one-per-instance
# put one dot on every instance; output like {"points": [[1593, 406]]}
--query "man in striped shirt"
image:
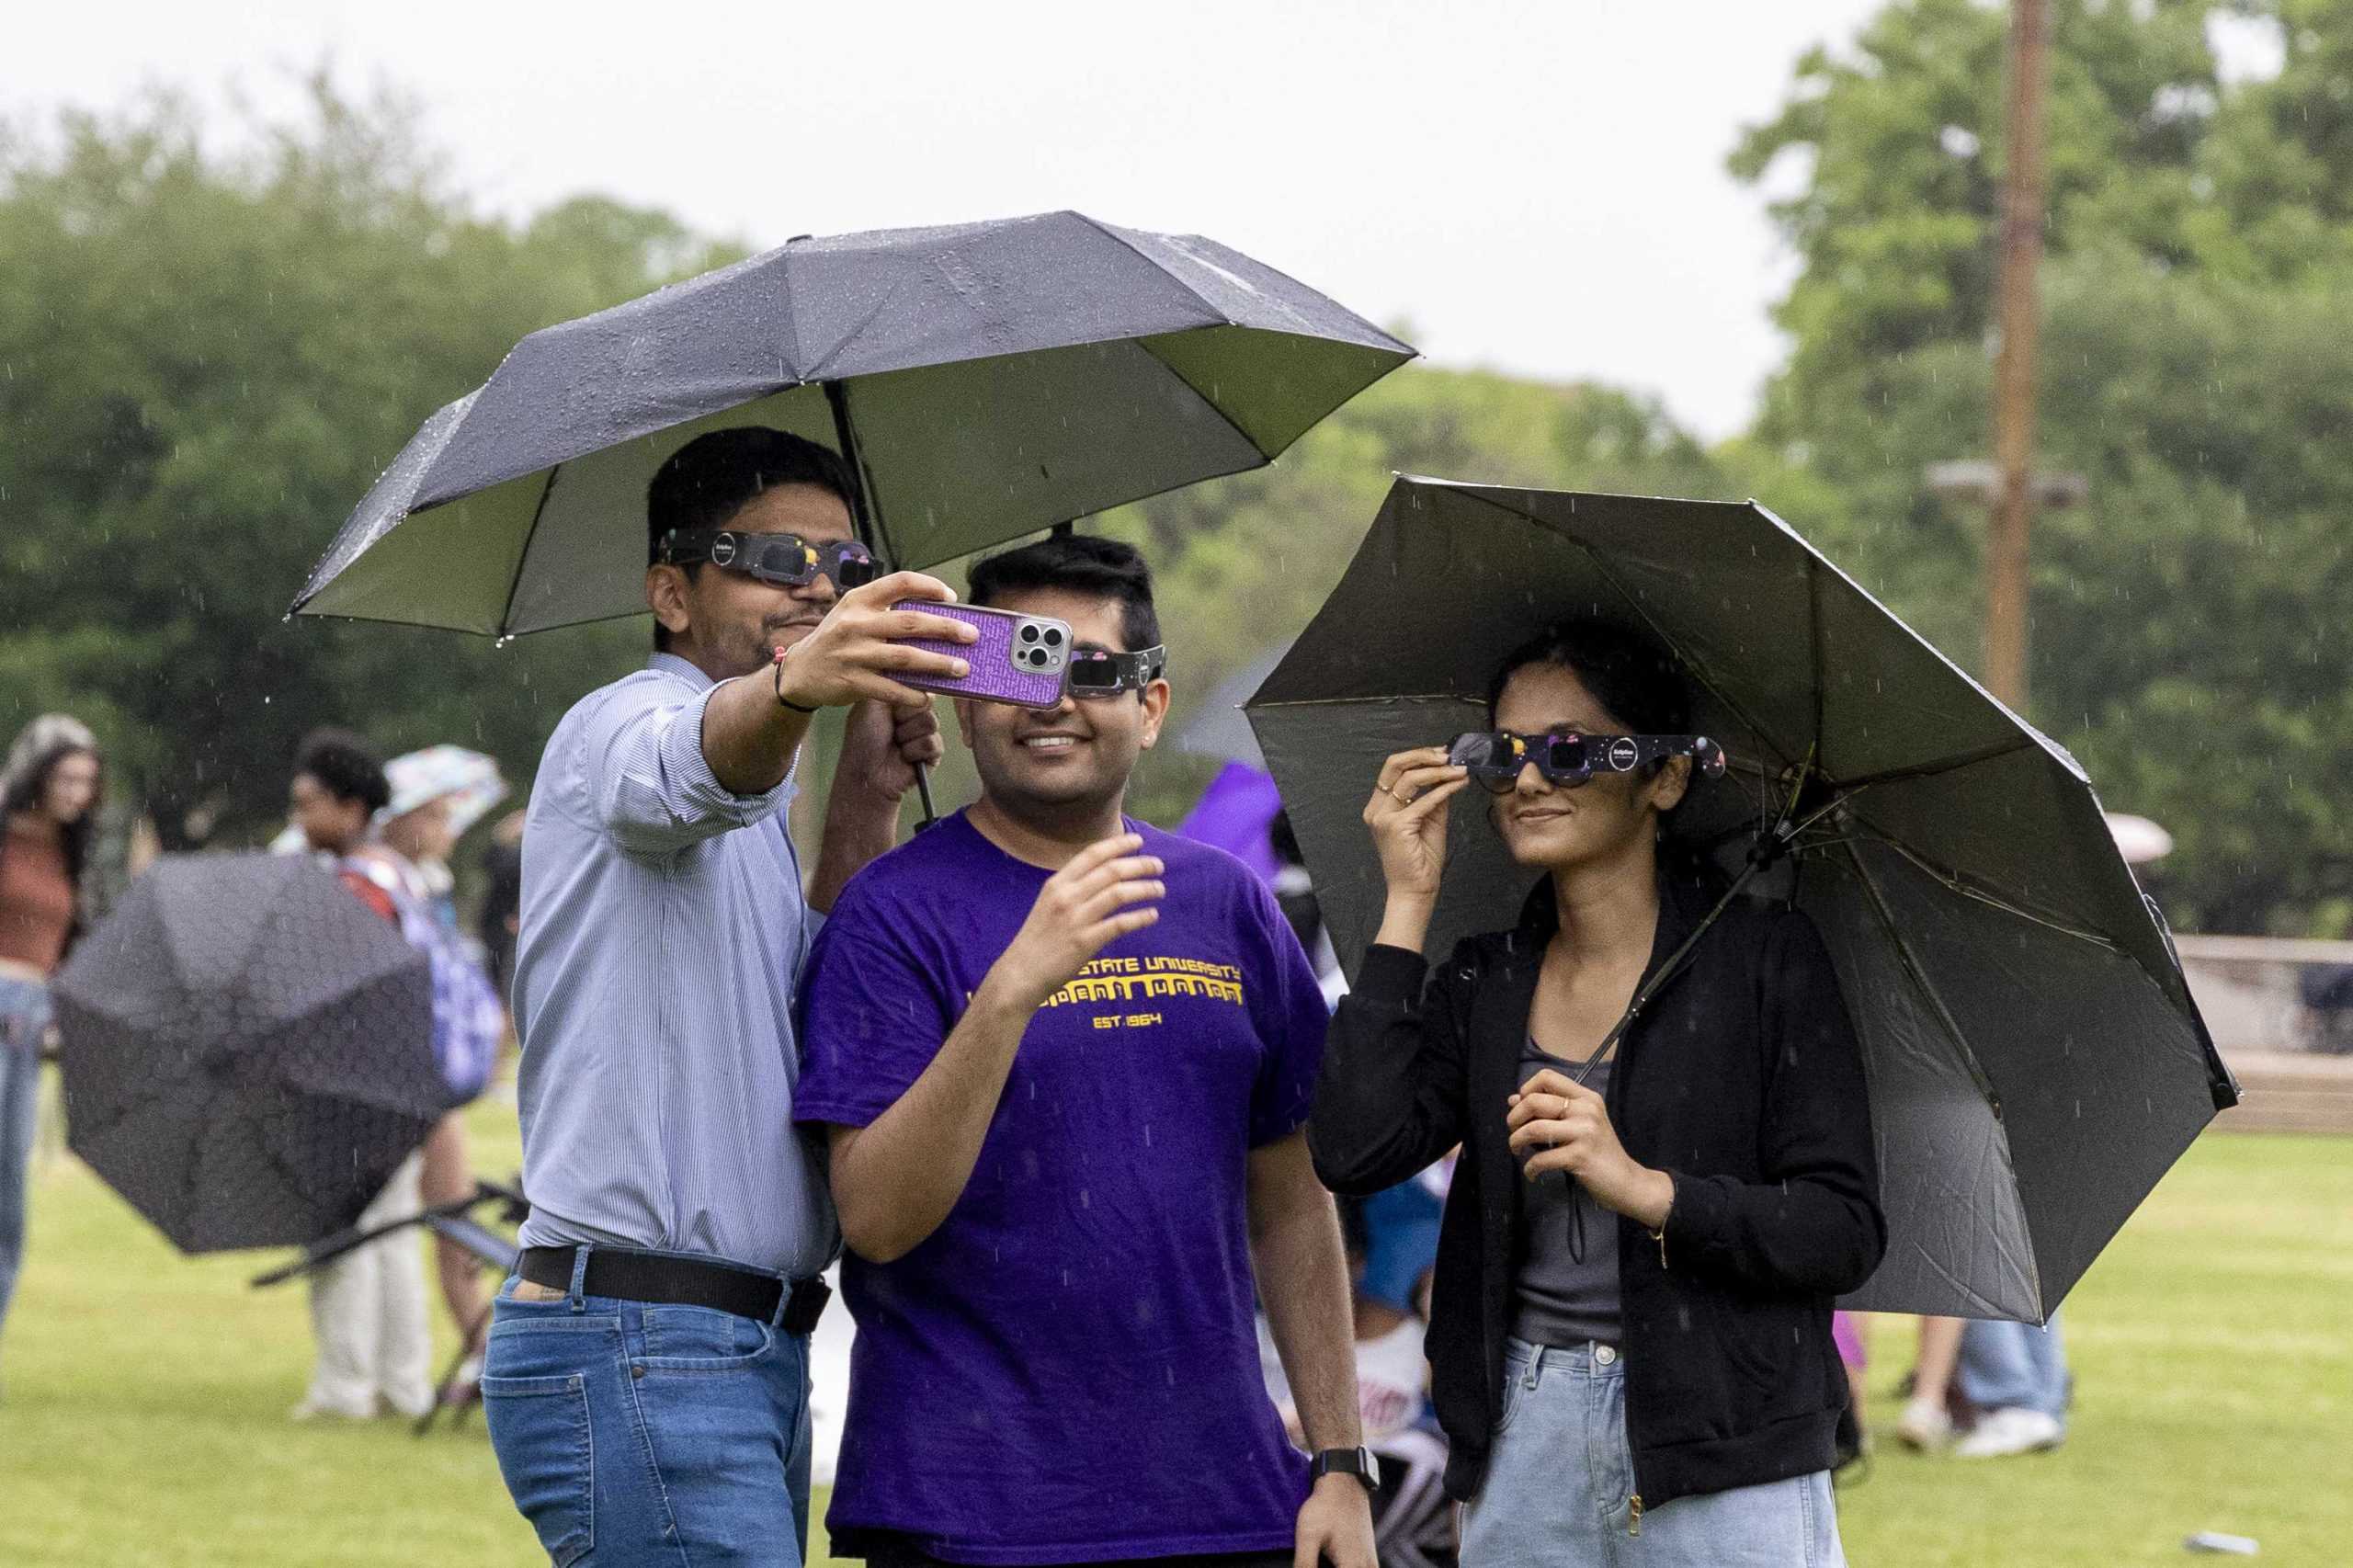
{"points": [[646, 1380]]}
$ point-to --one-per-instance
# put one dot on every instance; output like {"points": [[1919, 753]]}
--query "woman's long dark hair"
{"points": [[30, 790], [1639, 682]]}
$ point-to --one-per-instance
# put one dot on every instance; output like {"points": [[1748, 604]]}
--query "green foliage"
{"points": [[205, 360], [2186, 619]]}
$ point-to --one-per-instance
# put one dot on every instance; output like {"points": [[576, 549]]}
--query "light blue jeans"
{"points": [[631, 1435], [24, 1017], [1560, 1477], [2008, 1366]]}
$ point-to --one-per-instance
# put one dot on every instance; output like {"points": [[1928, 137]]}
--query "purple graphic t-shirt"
{"points": [[1066, 1370]]}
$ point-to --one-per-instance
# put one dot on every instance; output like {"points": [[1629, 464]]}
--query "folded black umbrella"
{"points": [[247, 1050], [2036, 1063], [986, 379]]}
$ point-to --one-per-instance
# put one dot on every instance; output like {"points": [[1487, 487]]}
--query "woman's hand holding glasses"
{"points": [[1407, 816]]}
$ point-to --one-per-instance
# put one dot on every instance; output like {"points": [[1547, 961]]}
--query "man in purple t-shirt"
{"points": [[1064, 1059]]}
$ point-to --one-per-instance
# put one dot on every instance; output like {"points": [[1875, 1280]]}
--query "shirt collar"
{"points": [[685, 669]]}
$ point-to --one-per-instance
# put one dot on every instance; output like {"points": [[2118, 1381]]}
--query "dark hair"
{"points": [[1640, 683], [1076, 564], [714, 476], [28, 794], [346, 766]]}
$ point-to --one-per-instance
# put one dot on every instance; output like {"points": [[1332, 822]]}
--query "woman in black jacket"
{"points": [[1631, 1334]]}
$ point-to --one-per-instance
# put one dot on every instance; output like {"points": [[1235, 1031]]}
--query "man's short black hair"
{"points": [[347, 767], [714, 476], [1076, 564]]}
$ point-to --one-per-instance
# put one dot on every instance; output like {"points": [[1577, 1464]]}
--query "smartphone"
{"points": [[1020, 659]]}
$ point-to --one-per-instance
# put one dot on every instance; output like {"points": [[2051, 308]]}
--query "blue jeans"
{"points": [[1559, 1475], [2014, 1366], [24, 1017], [634, 1435]]}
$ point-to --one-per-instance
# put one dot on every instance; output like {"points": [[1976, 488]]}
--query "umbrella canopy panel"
{"points": [[247, 1050], [997, 377], [2036, 1063], [1218, 727]]}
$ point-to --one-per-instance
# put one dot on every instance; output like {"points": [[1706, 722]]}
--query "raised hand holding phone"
{"points": [[864, 648], [1023, 660]]}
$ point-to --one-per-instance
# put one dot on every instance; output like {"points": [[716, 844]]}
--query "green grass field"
{"points": [[143, 1399]]}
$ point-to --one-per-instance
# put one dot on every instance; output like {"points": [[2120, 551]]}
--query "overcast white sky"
{"points": [[1536, 187]]}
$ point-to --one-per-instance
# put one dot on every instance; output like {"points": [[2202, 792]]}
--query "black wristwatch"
{"points": [[1358, 1463]]}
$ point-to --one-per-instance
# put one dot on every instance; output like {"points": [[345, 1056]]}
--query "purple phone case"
{"points": [[995, 677]]}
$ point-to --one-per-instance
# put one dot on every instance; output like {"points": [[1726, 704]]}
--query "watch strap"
{"points": [[1358, 1463]]}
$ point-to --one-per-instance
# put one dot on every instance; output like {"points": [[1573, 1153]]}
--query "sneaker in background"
{"points": [[2013, 1430], [1924, 1426]]}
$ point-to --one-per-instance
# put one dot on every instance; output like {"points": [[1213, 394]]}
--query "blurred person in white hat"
{"points": [[435, 795]]}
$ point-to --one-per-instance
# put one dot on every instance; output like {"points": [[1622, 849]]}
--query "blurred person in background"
{"points": [[434, 795], [1927, 1421], [368, 1317], [501, 915], [49, 799], [2012, 1383]]}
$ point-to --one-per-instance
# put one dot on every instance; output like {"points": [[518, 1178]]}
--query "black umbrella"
{"points": [[2036, 1063], [247, 1050], [985, 381]]}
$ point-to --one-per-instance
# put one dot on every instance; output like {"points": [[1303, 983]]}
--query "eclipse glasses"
{"points": [[785, 560], [1495, 758], [1096, 673]]}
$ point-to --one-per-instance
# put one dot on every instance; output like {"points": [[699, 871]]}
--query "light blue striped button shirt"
{"points": [[662, 932]]}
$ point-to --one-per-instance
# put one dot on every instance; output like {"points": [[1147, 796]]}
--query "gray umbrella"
{"points": [[1218, 727], [986, 379], [247, 1050], [2035, 1060]]}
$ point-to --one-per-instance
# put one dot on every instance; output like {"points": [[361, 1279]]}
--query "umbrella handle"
{"points": [[923, 790]]}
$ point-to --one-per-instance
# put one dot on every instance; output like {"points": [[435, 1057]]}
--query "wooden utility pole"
{"points": [[2021, 251]]}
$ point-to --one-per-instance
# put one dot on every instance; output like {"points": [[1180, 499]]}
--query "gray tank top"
{"points": [[1565, 1294]]}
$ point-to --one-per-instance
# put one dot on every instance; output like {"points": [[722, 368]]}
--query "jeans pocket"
{"points": [[538, 1427], [1513, 1394], [701, 1339]]}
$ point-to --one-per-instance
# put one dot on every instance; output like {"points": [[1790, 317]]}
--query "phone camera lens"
{"points": [[1029, 634], [1053, 638]]}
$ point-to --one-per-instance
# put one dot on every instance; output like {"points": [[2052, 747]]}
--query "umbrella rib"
{"points": [[1911, 964], [1602, 566], [1216, 407], [1971, 888], [1977, 1075], [1813, 642], [1158, 266], [523, 556], [862, 479], [1392, 697], [823, 369], [437, 626], [1928, 769]]}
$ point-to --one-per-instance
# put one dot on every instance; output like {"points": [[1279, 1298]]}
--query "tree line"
{"points": [[208, 353]]}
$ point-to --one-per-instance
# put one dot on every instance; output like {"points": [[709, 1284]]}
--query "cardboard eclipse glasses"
{"points": [[787, 560], [1493, 758]]}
